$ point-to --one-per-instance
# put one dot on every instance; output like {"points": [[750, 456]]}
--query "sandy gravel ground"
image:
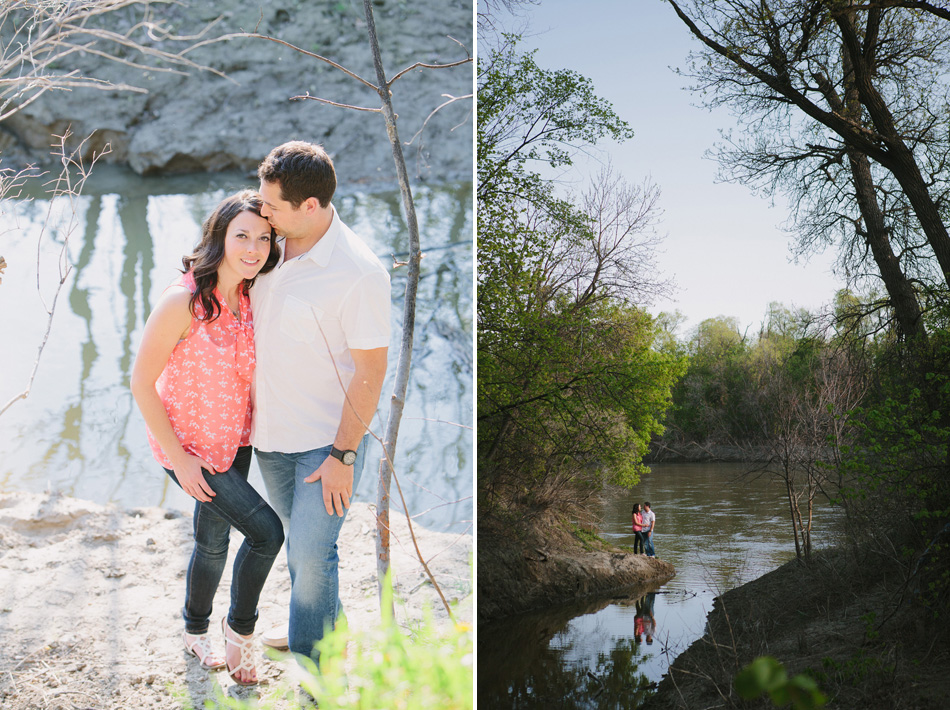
{"points": [[90, 600]]}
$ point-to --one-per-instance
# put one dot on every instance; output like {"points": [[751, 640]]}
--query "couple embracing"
{"points": [[274, 339]]}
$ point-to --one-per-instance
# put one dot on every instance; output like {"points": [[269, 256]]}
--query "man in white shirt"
{"points": [[649, 522], [321, 336]]}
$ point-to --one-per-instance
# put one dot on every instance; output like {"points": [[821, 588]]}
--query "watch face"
{"points": [[349, 457]]}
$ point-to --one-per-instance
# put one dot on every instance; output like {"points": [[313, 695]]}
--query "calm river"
{"points": [[79, 432], [719, 529]]}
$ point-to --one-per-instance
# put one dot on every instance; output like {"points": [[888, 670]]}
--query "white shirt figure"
{"points": [[306, 321], [649, 518]]}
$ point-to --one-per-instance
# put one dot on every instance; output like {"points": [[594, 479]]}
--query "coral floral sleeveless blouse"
{"points": [[206, 384]]}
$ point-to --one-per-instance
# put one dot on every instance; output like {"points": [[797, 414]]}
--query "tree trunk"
{"points": [[902, 295], [791, 510], [408, 321], [896, 156], [875, 233]]}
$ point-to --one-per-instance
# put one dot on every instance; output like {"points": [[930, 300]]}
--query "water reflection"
{"points": [[718, 526], [79, 431], [538, 660], [645, 620]]}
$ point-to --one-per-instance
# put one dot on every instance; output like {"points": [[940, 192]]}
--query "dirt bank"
{"points": [[552, 564], [845, 616], [91, 595], [205, 123]]}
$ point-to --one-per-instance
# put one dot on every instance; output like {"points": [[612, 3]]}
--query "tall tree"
{"points": [[785, 58], [570, 389]]}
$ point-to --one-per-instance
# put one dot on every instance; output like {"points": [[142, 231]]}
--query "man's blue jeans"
{"points": [[311, 541], [648, 544], [236, 504]]}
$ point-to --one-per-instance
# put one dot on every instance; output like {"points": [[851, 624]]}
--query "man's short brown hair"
{"points": [[302, 170]]}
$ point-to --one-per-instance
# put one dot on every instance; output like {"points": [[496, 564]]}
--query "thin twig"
{"points": [[334, 103], [423, 65], [60, 186], [439, 421], [452, 100], [369, 430], [310, 54]]}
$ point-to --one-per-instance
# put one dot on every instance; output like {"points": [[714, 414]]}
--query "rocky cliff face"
{"points": [[204, 122]]}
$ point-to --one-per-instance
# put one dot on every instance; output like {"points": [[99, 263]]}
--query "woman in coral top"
{"points": [[191, 380], [637, 526]]}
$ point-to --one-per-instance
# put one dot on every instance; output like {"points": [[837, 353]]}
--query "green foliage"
{"points": [[531, 115], [710, 399], [570, 387], [894, 475], [862, 669], [899, 454], [574, 400], [766, 675], [432, 669], [589, 539], [733, 381], [870, 633]]}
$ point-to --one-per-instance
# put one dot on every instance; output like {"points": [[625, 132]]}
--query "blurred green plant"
{"points": [[767, 675], [429, 668], [384, 668]]}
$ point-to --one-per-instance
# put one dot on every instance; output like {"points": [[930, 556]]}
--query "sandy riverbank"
{"points": [[90, 599]]}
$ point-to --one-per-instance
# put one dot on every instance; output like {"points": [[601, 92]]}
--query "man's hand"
{"points": [[337, 484]]}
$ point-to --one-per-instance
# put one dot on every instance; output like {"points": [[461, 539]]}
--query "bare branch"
{"points": [[438, 421], [62, 186], [451, 100], [334, 103], [423, 65], [39, 38], [383, 519], [309, 54]]}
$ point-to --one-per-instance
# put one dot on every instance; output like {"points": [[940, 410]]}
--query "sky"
{"points": [[725, 248]]}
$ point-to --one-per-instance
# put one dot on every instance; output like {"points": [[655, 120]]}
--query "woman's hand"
{"points": [[192, 480]]}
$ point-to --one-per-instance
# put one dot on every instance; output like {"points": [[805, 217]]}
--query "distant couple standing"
{"points": [[644, 521], [292, 367]]}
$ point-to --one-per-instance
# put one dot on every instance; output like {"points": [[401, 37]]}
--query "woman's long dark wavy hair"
{"points": [[209, 253]]}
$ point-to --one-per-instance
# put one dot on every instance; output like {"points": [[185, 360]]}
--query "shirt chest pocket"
{"points": [[298, 319]]}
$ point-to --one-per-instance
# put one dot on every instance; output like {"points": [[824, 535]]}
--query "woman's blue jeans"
{"points": [[311, 541], [236, 504]]}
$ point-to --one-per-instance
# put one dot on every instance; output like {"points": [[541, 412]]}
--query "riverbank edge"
{"points": [[705, 452], [553, 562], [90, 604], [843, 618]]}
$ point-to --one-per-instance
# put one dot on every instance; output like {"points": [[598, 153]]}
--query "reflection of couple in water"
{"points": [[645, 622]]}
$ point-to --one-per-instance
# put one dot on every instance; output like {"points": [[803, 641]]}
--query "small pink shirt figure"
{"points": [[206, 384]]}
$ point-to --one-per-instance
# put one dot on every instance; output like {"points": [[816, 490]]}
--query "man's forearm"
{"points": [[362, 397]]}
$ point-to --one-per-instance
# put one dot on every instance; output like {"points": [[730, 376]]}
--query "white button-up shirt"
{"points": [[309, 312]]}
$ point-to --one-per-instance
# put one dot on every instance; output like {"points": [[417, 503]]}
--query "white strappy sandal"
{"points": [[199, 646], [247, 653]]}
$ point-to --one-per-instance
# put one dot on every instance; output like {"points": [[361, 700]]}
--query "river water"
{"points": [[719, 527], [80, 433]]}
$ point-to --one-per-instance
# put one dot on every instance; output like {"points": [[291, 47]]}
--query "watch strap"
{"points": [[340, 455]]}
